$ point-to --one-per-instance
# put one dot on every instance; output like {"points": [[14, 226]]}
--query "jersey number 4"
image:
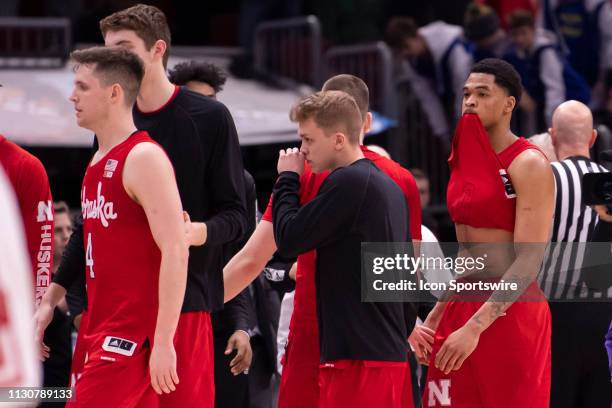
{"points": [[89, 262]]}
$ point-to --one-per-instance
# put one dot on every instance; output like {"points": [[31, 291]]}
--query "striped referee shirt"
{"points": [[560, 277]]}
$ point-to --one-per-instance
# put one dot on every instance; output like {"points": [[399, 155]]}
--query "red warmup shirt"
{"points": [[121, 257], [304, 303], [480, 192], [31, 184]]}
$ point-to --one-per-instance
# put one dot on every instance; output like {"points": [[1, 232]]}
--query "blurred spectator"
{"points": [[482, 30], [62, 230], [604, 25], [548, 79], [438, 53], [19, 365], [603, 116], [503, 8], [575, 24], [420, 89], [427, 218]]}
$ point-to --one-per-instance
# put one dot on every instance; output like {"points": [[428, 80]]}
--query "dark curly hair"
{"points": [[198, 71]]}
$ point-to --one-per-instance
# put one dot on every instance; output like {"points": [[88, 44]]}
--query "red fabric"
{"points": [[504, 8], [509, 368], [299, 384], [476, 195], [364, 384], [193, 343], [122, 258], [80, 350], [124, 382], [31, 184]]}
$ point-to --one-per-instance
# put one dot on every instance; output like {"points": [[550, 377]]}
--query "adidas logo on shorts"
{"points": [[119, 346]]}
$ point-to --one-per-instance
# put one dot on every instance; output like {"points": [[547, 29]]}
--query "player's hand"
{"points": [[457, 347], [162, 367], [196, 233], [42, 319], [244, 354], [290, 160], [421, 340], [293, 271], [77, 321], [603, 213]]}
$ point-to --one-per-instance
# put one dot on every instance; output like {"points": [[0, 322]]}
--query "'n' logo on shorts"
{"points": [[119, 346], [439, 395], [508, 188]]}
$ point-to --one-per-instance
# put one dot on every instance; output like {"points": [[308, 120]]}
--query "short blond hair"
{"points": [[332, 111]]}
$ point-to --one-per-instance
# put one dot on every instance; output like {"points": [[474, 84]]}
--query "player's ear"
{"points": [[367, 123], [510, 104], [160, 48], [340, 140], [116, 93]]}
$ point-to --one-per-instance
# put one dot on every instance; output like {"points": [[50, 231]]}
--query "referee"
{"points": [[580, 315]]}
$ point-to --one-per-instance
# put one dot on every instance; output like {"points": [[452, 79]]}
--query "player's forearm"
{"points": [[241, 270], [54, 294], [523, 273], [172, 283]]}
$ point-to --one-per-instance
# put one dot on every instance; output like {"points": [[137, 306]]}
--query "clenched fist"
{"points": [[290, 160]]}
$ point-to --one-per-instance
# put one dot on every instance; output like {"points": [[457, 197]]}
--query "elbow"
{"points": [[287, 248]]}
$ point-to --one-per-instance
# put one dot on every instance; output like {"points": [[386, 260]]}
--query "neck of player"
{"points": [[347, 156], [155, 90], [500, 136], [115, 130]]}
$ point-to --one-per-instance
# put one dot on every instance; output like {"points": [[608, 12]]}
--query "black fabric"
{"points": [[56, 369], [580, 373], [199, 136], [355, 204], [267, 305], [230, 390], [237, 313]]}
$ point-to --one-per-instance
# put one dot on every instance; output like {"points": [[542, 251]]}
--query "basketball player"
{"points": [[199, 136], [361, 342], [300, 377], [136, 254], [495, 353]]}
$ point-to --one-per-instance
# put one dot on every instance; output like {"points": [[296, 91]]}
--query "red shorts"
{"points": [[364, 384], [80, 350], [509, 368], [193, 342], [113, 380], [299, 384]]}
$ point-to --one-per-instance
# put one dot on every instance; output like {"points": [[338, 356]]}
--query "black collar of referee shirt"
{"points": [[578, 157]]}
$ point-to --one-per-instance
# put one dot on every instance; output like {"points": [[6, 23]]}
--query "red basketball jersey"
{"points": [[122, 259]]}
